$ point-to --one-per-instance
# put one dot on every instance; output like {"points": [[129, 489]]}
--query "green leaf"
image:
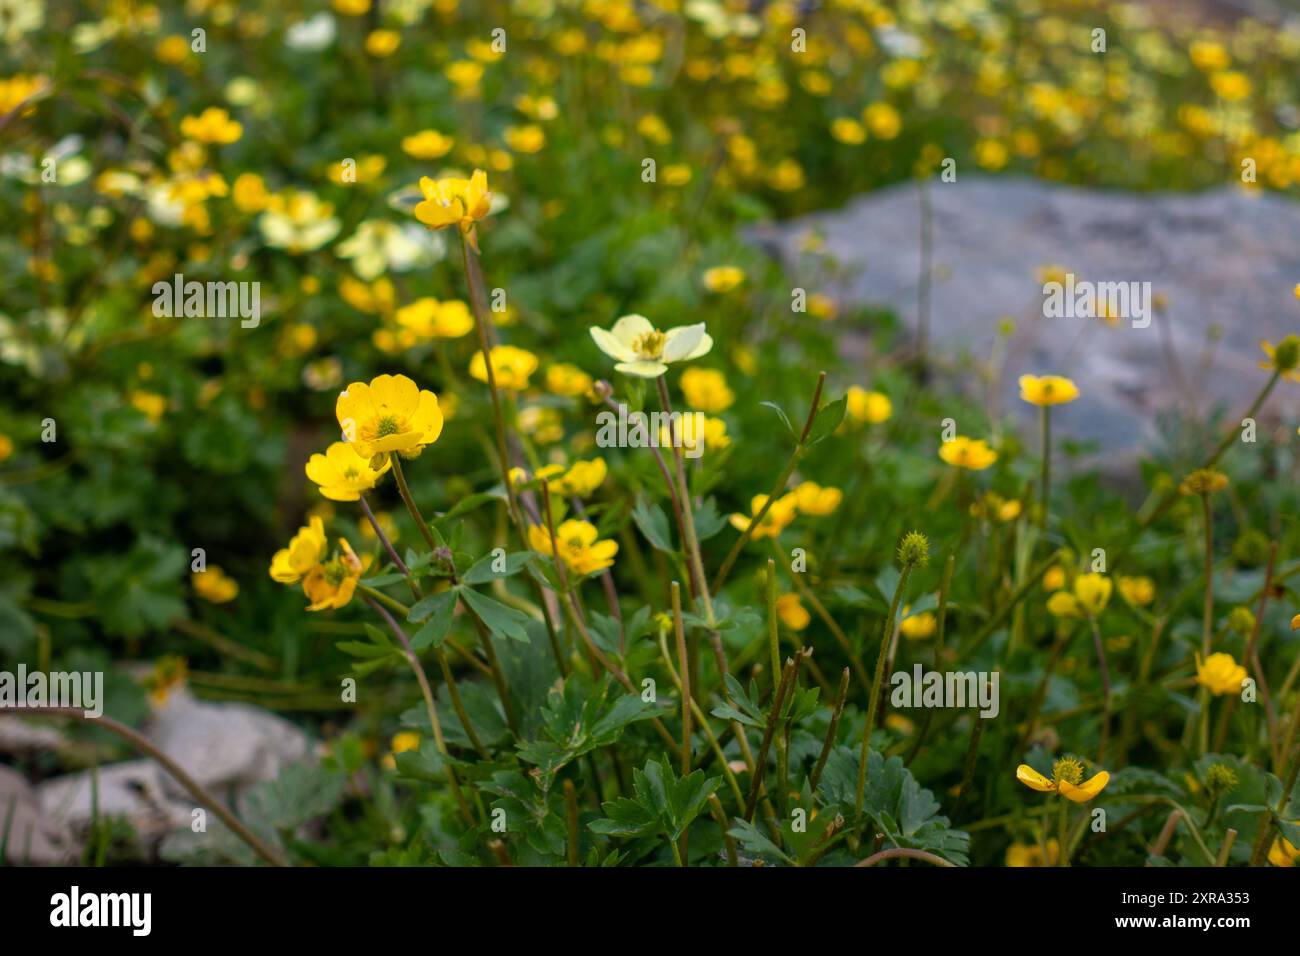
{"points": [[708, 520], [785, 418], [484, 569], [828, 419], [467, 504], [664, 803], [500, 619], [653, 523], [437, 616]]}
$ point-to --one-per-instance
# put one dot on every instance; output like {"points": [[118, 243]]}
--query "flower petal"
{"points": [[611, 346], [682, 341], [642, 369], [1086, 790], [629, 328], [1034, 780]]}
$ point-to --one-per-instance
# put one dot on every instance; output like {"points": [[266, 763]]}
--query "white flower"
{"points": [[20, 16], [378, 246], [644, 351], [311, 35], [298, 221]]}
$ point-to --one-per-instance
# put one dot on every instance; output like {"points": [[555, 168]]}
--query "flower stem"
{"points": [[885, 639], [426, 691], [777, 488]]}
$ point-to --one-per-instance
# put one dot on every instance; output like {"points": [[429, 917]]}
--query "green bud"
{"points": [[914, 551]]}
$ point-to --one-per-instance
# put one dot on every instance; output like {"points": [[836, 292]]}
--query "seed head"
{"points": [[914, 551]]}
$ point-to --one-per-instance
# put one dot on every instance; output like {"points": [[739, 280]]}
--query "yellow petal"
{"points": [[1086, 790], [1034, 780]]}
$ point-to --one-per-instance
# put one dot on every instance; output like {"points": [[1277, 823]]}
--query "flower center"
{"points": [[649, 345], [388, 425], [1069, 770]]}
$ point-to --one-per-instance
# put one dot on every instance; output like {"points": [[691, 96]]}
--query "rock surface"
{"points": [[1225, 261], [226, 748]]}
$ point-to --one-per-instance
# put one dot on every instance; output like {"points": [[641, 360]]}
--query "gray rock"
{"points": [[226, 748], [31, 836], [224, 745], [134, 789], [1226, 261]]}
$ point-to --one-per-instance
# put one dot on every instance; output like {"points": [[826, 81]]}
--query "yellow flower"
{"points": [[352, 8], [973, 454], [1047, 389], [1066, 780], [883, 120], [213, 125], [430, 319], [172, 49], [644, 351], [1054, 578], [578, 548], [786, 176], [386, 524], [213, 585], [1062, 604], [777, 519], [454, 202], [918, 627], [723, 278], [405, 740], [541, 423], [1284, 357], [343, 474], [511, 367], [1220, 674], [17, 88], [567, 380], [1230, 85], [464, 75], [1295, 623], [249, 193], [390, 414], [792, 612], [848, 131], [1207, 55], [714, 437], [332, 584], [706, 390], [1138, 591], [1282, 853], [382, 43], [868, 406], [1092, 591], [1031, 854], [306, 549], [149, 404], [427, 144], [6, 447], [822, 306], [811, 498], [1203, 481], [525, 139], [582, 478]]}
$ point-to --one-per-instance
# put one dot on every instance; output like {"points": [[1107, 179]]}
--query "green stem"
{"points": [[874, 698]]}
